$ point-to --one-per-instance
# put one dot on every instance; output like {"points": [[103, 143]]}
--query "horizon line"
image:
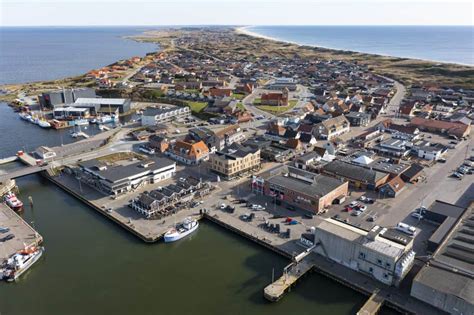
{"points": [[237, 25]]}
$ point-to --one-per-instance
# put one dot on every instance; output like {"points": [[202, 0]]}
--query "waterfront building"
{"points": [[119, 178], [105, 105], [45, 153], [70, 112], [383, 254], [64, 96], [446, 280], [235, 160], [156, 115]]}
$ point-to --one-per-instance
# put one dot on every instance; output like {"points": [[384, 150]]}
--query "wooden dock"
{"points": [[373, 304], [275, 291]]}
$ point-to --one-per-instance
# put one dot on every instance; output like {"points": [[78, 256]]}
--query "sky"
{"points": [[235, 12]]}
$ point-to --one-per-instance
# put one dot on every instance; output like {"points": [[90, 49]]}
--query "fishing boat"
{"points": [[20, 262], [81, 122], [106, 119], [42, 123], [13, 202], [24, 116], [181, 230]]}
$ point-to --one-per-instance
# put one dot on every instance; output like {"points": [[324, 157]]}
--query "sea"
{"points": [[451, 44], [30, 54]]}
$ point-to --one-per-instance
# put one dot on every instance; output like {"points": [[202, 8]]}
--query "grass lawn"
{"points": [[277, 109], [238, 96], [191, 91], [257, 101], [196, 107], [240, 106]]}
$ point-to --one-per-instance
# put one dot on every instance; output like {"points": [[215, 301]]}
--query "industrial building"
{"points": [[64, 97], [105, 105], [358, 176], [382, 254], [447, 280], [118, 178]]}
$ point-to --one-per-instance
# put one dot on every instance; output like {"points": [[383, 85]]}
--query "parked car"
{"points": [[222, 206], [457, 175], [308, 215], [353, 204], [372, 218], [363, 198], [361, 208], [442, 160], [4, 229], [356, 213], [8, 237]]}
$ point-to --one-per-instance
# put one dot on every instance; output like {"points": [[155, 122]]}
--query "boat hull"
{"points": [[177, 236], [30, 263]]}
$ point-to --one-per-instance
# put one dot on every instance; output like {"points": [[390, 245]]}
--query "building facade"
{"points": [[153, 116], [234, 160]]}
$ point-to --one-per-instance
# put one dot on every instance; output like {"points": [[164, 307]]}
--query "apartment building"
{"points": [[235, 160]]}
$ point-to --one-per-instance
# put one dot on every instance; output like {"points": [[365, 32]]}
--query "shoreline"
{"points": [[244, 30]]}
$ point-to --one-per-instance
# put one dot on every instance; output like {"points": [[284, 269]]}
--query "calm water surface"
{"points": [[440, 43]]}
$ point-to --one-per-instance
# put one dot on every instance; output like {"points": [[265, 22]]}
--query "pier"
{"points": [[25, 234], [373, 304]]}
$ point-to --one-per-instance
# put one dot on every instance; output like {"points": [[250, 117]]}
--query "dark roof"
{"points": [[321, 185], [413, 171], [353, 171], [236, 150], [446, 209], [113, 173]]}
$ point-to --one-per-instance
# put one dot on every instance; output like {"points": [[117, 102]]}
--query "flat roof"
{"points": [[100, 101], [321, 185]]}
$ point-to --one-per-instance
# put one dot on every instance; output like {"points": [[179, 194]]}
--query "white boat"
{"points": [[93, 121], [74, 135], [181, 230], [13, 202], [24, 116], [20, 262], [105, 119], [31, 120], [43, 123], [81, 122]]}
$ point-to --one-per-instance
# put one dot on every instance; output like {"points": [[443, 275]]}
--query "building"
{"points": [[119, 178], [446, 280], [190, 153], [304, 190], [158, 143], [358, 176], [217, 140], [64, 97], [393, 147], [413, 173], [234, 160], [164, 200], [220, 92], [382, 254], [440, 126], [156, 115], [357, 119], [392, 188], [429, 151], [332, 128], [306, 160], [70, 112], [275, 98], [106, 105], [45, 153]]}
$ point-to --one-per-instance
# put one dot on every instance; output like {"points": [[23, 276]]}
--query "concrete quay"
{"points": [[25, 235], [118, 210]]}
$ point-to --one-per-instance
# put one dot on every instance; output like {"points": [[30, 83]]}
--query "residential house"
{"points": [[392, 188], [332, 128], [234, 160], [275, 98], [190, 153], [357, 119]]}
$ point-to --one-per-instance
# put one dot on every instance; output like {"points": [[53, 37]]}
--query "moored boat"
{"points": [[181, 230], [13, 202], [20, 262], [43, 123]]}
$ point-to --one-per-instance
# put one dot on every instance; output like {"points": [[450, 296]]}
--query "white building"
{"points": [[383, 254], [153, 116]]}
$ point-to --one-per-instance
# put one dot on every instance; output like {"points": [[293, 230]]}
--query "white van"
{"points": [[405, 228]]}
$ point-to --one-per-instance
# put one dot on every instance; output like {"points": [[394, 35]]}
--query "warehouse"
{"points": [[104, 104]]}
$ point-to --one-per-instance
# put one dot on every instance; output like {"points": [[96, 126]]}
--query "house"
{"points": [[393, 187], [234, 160], [332, 128], [159, 143], [275, 98], [306, 160], [220, 92], [413, 173], [393, 147], [157, 115], [358, 176], [190, 153], [217, 140], [357, 119], [45, 153], [444, 127]]}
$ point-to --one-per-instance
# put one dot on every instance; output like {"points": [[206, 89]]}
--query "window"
{"points": [[361, 255], [379, 261], [371, 270], [388, 265], [385, 275]]}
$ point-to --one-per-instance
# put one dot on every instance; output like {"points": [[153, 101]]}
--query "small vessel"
{"points": [[24, 116], [93, 121], [181, 230], [20, 262], [13, 202], [105, 119], [43, 123], [81, 122]]}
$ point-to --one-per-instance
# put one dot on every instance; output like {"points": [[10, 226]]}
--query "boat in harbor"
{"points": [[13, 202], [24, 116], [20, 262], [42, 123], [105, 119], [81, 122], [181, 230]]}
